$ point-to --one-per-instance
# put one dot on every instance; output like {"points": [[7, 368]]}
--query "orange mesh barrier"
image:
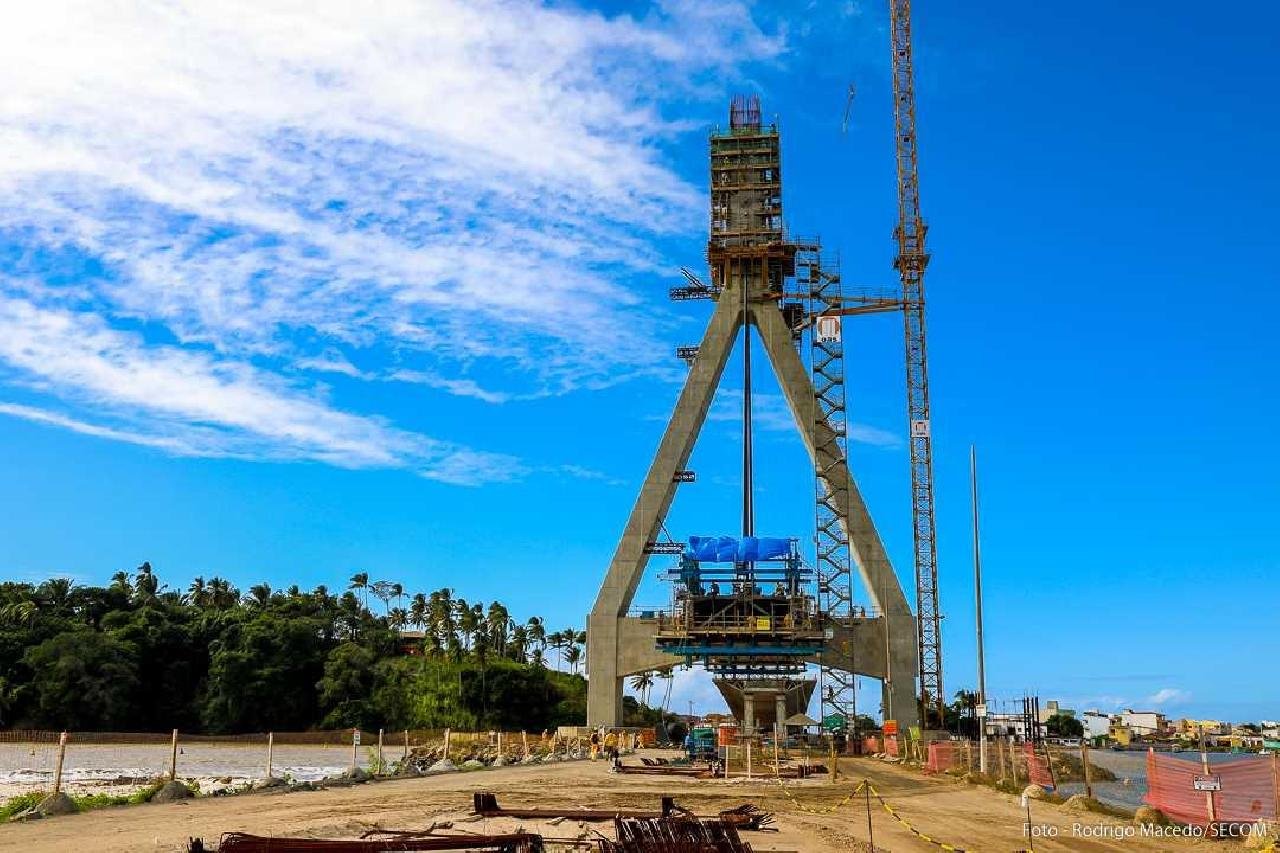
{"points": [[943, 755], [891, 746], [1249, 789], [871, 746], [1037, 770]]}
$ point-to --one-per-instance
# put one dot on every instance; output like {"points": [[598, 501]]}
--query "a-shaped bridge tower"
{"points": [[754, 272]]}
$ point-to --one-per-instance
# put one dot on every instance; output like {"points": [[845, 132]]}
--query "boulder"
{"points": [[171, 792], [1079, 804], [473, 764], [444, 765], [273, 782], [1033, 792], [357, 774], [1145, 815], [56, 804]]}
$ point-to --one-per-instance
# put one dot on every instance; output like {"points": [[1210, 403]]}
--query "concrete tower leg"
{"points": [[899, 688], [605, 665], [617, 645]]}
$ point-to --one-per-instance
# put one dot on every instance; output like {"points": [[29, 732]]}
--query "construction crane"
{"points": [[910, 262]]}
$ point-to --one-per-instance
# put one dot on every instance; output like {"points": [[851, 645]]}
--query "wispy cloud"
{"points": [[1168, 696], [191, 403], [770, 413], [234, 199]]}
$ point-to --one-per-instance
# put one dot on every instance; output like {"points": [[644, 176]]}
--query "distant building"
{"points": [[1144, 723], [1119, 733], [1096, 724], [1052, 709], [1008, 725]]}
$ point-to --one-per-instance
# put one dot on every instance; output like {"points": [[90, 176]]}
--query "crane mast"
{"points": [[910, 262]]}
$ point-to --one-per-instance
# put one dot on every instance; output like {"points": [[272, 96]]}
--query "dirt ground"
{"points": [[951, 812]]}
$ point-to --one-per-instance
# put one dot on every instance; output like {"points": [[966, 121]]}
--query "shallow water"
{"points": [[121, 768], [1131, 766]]}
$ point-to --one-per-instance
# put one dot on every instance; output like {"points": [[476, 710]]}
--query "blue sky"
{"points": [[290, 295]]}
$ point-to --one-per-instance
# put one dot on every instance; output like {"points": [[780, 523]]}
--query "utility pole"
{"points": [[977, 595]]}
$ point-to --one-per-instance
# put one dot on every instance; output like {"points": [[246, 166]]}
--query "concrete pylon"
{"points": [[882, 647]]}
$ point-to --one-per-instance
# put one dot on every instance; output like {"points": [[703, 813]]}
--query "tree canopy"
{"points": [[137, 656]]}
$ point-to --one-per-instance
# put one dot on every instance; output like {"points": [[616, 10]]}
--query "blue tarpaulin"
{"points": [[737, 549]]}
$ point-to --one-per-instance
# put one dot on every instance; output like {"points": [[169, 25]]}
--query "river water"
{"points": [[122, 768], [1130, 768]]}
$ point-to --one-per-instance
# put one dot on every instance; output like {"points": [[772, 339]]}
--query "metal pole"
{"points": [[871, 838], [977, 594]]}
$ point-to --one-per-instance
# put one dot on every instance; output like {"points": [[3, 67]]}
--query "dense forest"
{"points": [[137, 656]]}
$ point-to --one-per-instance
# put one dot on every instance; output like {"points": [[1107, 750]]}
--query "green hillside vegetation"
{"points": [[136, 656]]}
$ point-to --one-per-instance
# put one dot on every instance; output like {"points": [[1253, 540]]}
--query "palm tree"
{"points": [[518, 646], [642, 683], [537, 633], [259, 595], [197, 594], [121, 583], [467, 621], [397, 618], [147, 585], [360, 581], [498, 620], [418, 611], [572, 656], [397, 592]]}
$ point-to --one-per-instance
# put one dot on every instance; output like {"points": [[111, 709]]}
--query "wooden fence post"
{"points": [[406, 745], [1000, 755], [173, 757], [380, 758], [62, 754], [271, 742], [1088, 775], [355, 743]]}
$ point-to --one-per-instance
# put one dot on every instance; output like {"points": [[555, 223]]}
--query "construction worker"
{"points": [[595, 744]]}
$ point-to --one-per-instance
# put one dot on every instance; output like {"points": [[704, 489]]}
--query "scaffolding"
{"points": [[832, 556]]}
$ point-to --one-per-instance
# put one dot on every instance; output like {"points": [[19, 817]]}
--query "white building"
{"points": [[1144, 723], [1096, 724]]}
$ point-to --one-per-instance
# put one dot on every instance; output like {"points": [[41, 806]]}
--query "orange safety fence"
{"points": [[871, 746], [943, 755], [891, 746], [1037, 768], [1249, 789]]}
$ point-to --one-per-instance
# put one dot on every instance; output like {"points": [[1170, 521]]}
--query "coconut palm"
{"points": [[360, 581], [642, 683], [573, 656], [418, 610]]}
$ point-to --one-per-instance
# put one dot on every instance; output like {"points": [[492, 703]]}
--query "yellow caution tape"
{"points": [[951, 848], [802, 807]]}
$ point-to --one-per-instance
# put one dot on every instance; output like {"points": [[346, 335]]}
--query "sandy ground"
{"points": [[964, 816]]}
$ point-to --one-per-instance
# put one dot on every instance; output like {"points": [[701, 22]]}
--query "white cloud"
{"points": [[770, 413], [1168, 696], [460, 189], [189, 403]]}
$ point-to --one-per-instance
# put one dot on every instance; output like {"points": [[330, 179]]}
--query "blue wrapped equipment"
{"points": [[738, 549]]}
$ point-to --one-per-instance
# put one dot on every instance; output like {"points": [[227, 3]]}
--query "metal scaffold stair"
{"points": [[831, 542]]}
